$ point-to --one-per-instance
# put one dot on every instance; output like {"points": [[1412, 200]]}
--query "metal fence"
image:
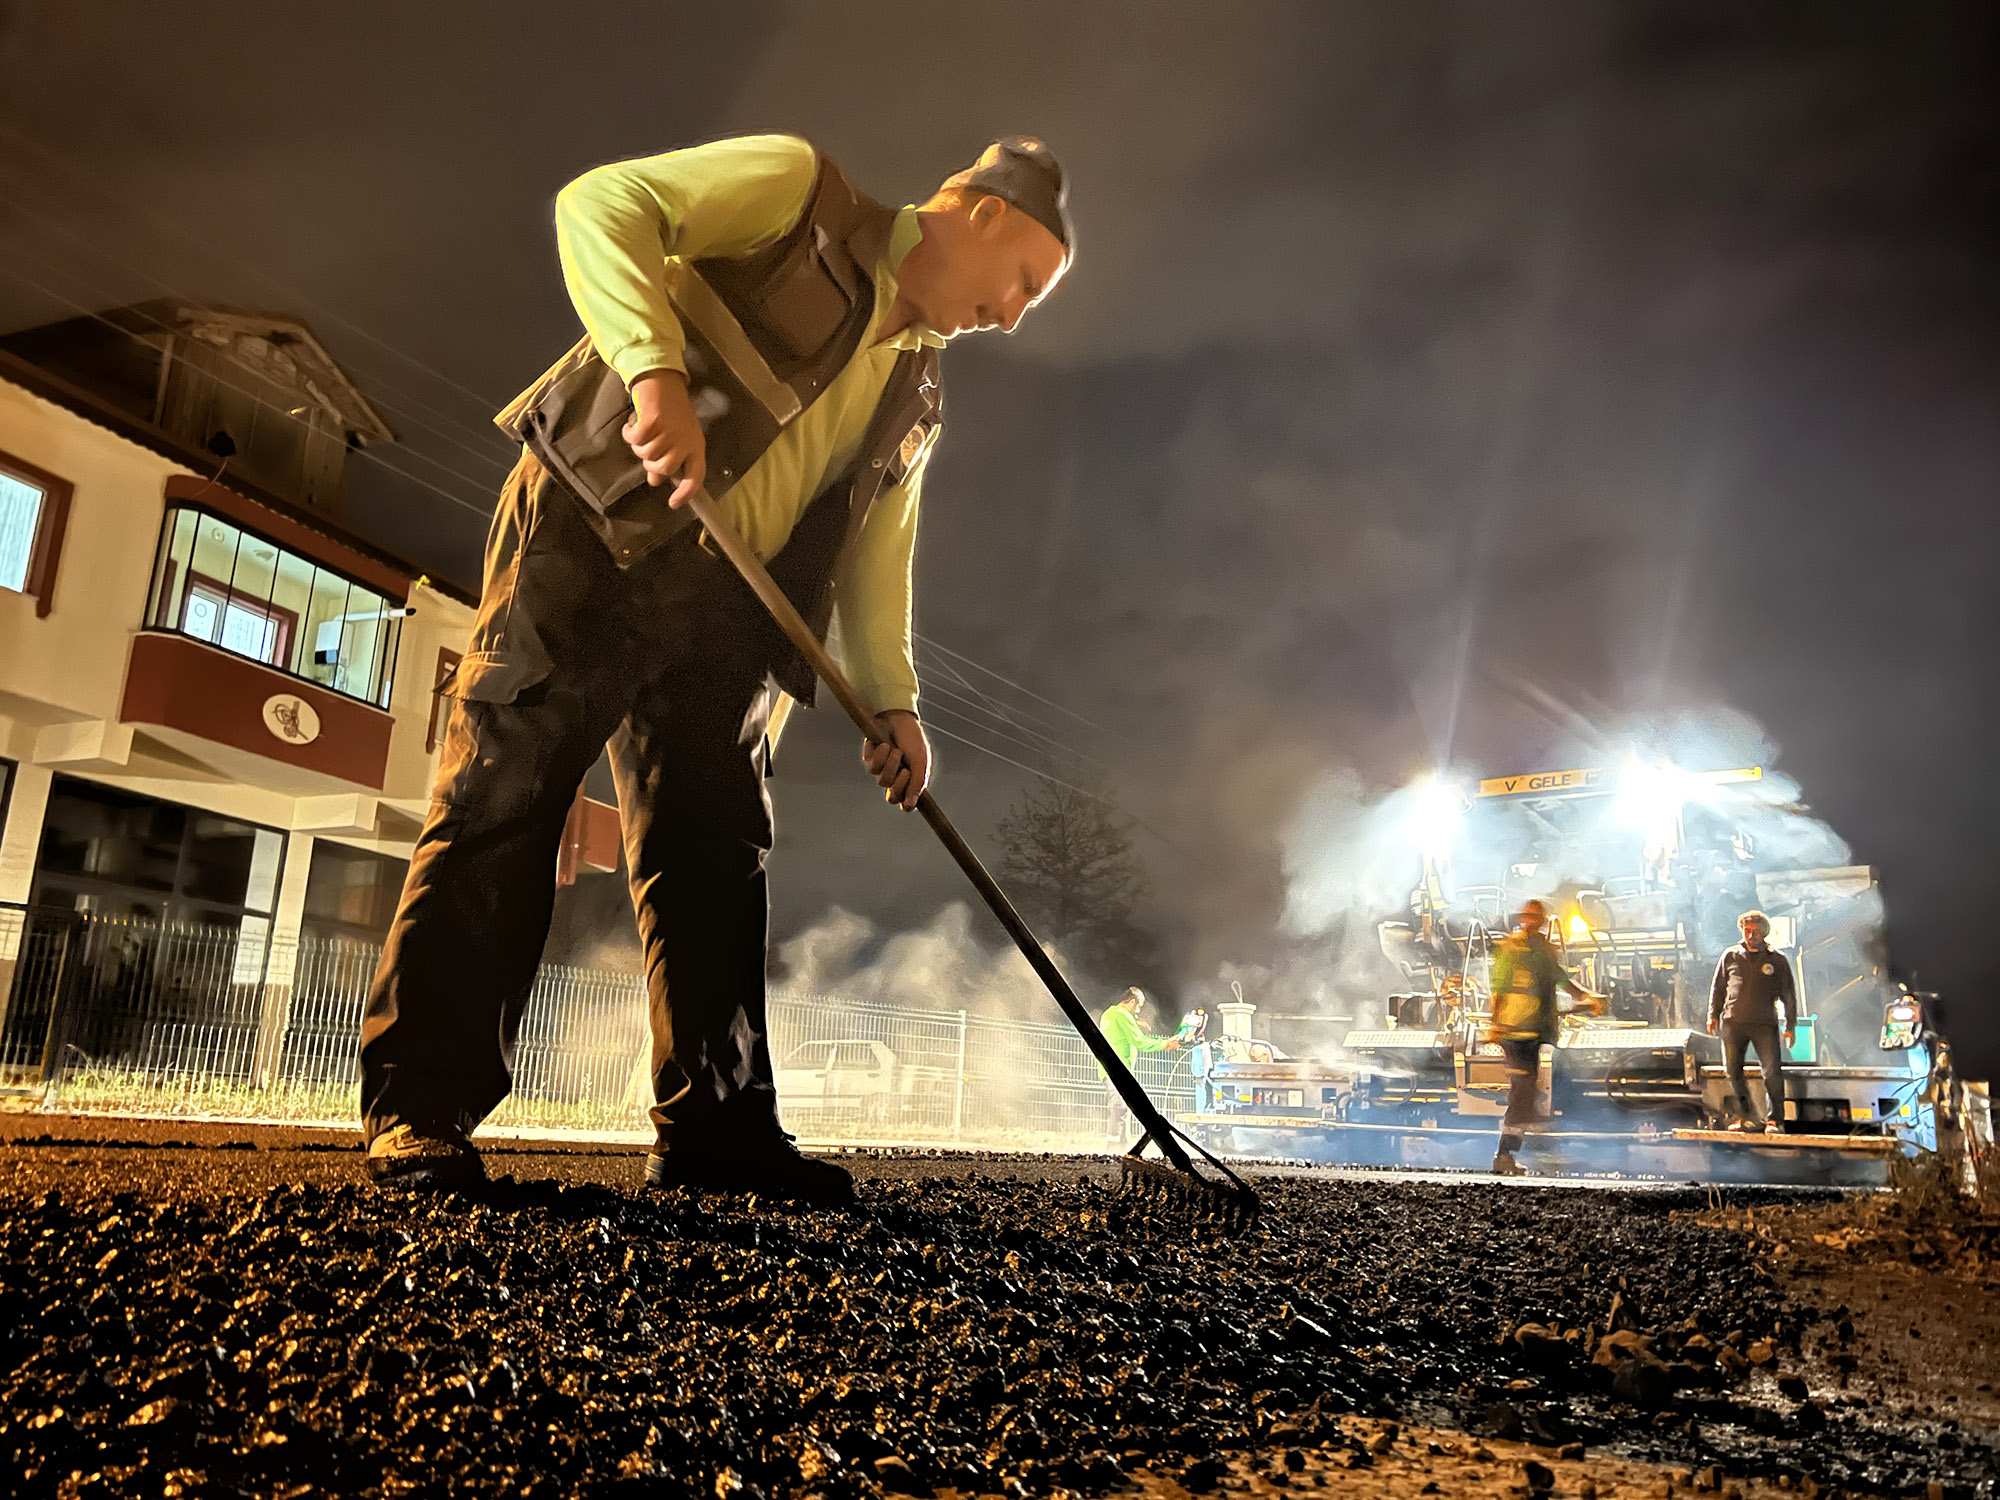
{"points": [[119, 1014]]}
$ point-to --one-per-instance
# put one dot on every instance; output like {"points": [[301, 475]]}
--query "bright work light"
{"points": [[1436, 813]]}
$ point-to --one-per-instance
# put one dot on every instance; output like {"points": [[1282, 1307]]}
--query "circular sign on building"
{"points": [[291, 718]]}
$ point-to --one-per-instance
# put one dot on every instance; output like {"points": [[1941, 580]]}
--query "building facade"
{"points": [[218, 706]]}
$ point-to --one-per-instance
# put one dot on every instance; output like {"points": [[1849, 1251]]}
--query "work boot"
{"points": [[1504, 1165], [761, 1160], [415, 1156]]}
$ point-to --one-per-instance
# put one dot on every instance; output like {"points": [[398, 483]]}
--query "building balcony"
{"points": [[250, 722]]}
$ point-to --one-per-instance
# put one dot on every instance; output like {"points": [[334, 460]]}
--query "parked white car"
{"points": [[854, 1078]]}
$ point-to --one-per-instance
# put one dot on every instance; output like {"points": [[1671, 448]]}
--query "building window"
{"points": [[352, 893], [34, 513], [218, 583], [115, 854]]}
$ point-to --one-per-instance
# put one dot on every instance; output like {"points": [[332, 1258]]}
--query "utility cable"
{"points": [[965, 729], [939, 646], [485, 453], [1032, 771], [485, 512], [966, 708], [996, 707], [1138, 822], [165, 327], [49, 154]]}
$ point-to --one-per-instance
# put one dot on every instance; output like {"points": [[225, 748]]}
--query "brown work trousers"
{"points": [[667, 661]]}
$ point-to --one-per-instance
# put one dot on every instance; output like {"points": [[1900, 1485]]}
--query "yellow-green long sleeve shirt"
{"points": [[1127, 1037], [616, 227]]}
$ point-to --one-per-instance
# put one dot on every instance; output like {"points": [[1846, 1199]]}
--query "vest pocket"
{"points": [[803, 306]]}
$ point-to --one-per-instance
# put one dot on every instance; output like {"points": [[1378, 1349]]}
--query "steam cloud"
{"points": [[1349, 853], [940, 966], [1351, 859]]}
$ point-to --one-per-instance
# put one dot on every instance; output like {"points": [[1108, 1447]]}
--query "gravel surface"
{"points": [[180, 1317]]}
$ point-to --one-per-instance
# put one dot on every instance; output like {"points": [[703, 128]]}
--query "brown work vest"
{"points": [[766, 333]]}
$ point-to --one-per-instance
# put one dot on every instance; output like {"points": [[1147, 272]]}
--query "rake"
{"points": [[1169, 1183]]}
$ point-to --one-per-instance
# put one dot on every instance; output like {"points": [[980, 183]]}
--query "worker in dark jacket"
{"points": [[1526, 974], [1753, 1000], [756, 326]]}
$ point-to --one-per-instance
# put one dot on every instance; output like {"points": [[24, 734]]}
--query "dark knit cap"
{"points": [[1022, 171]]}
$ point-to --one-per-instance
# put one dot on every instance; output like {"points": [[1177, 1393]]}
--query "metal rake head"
{"points": [[1177, 1190]]}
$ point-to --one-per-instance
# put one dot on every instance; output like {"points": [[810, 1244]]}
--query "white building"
{"points": [[217, 704]]}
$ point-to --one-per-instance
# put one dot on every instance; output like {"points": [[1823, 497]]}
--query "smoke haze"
{"points": [[1457, 385]]}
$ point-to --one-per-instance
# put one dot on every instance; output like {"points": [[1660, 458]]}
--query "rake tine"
{"points": [[1177, 1186]]}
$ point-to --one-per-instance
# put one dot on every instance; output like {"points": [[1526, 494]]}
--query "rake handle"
{"points": [[732, 546]]}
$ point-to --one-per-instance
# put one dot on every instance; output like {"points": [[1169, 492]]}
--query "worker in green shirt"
{"points": [[1129, 1037], [756, 326]]}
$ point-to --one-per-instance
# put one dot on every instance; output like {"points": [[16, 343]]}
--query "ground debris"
{"points": [[978, 1326]]}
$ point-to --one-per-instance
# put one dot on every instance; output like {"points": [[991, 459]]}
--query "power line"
{"points": [[485, 453], [1138, 822], [1017, 687], [485, 512], [1014, 715], [1013, 711], [400, 402], [1032, 771], [930, 717], [1048, 746], [50, 154], [476, 481]]}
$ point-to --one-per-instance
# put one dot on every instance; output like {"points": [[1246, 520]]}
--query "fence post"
{"points": [[958, 1087], [274, 1012], [63, 1004], [281, 960]]}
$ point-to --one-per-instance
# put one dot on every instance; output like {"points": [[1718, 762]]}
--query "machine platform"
{"points": [[1852, 1145], [1683, 1155]]}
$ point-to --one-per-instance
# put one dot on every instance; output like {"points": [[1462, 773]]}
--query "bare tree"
{"points": [[1068, 861]]}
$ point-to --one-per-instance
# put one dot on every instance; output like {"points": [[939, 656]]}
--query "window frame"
{"points": [[177, 904], [166, 583], [51, 526], [227, 597]]}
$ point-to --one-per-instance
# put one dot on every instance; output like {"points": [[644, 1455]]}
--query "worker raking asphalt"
{"points": [[182, 1322]]}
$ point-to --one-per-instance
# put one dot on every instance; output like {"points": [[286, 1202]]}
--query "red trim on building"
{"points": [[447, 664], [189, 489], [602, 837], [203, 690], [590, 841]]}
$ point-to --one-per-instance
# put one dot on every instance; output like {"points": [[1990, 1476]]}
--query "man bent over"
{"points": [[755, 324]]}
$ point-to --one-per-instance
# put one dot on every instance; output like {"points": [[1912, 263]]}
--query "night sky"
{"points": [[1457, 385]]}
